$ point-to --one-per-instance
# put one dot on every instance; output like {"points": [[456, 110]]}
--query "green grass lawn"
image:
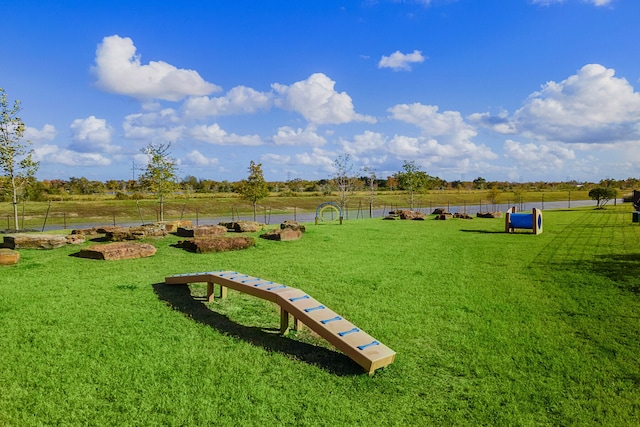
{"points": [[489, 329]]}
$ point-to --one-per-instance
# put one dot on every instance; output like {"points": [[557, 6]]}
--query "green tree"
{"points": [[602, 195], [479, 182], [16, 156], [411, 179], [159, 176], [254, 188]]}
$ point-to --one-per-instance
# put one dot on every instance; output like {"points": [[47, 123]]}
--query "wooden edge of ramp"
{"points": [[361, 347]]}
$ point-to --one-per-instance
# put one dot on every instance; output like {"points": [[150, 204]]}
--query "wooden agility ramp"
{"points": [[346, 337]]}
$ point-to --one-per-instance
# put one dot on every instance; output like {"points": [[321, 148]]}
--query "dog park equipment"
{"points": [[532, 221], [333, 206], [365, 350]]}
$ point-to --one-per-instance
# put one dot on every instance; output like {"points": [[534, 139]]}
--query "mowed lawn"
{"points": [[489, 329]]}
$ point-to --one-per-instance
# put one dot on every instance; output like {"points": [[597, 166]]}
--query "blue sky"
{"points": [[517, 90]]}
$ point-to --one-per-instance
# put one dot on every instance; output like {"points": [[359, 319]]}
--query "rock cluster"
{"points": [[405, 214], [242, 226]]}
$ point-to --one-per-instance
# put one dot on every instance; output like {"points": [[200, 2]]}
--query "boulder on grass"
{"points": [[444, 216], [34, 241], [201, 231], [118, 250], [9, 256], [242, 226], [293, 225], [282, 235], [135, 233], [462, 215], [172, 226], [489, 214], [407, 214], [95, 231], [204, 245]]}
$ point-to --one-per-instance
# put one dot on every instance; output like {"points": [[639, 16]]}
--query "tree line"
{"points": [[160, 177]]}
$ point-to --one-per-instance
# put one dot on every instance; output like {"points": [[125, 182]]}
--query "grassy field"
{"points": [[489, 329]]}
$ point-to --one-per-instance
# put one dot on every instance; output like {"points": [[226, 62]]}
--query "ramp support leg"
{"points": [[211, 293], [284, 322]]}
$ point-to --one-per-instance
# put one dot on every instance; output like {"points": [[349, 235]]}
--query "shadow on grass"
{"points": [[179, 298], [483, 231], [622, 269]]}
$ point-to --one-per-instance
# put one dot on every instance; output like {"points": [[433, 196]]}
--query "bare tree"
{"points": [[372, 184], [16, 156], [343, 178]]}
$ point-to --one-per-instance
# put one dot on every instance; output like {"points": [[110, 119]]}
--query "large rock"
{"points": [[34, 241], [118, 250], [204, 245], [135, 233], [9, 256], [293, 225], [202, 231], [283, 234], [172, 226], [462, 215], [242, 226], [96, 231], [444, 216], [489, 214]]}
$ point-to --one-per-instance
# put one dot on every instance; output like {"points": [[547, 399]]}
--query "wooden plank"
{"points": [[344, 335]]}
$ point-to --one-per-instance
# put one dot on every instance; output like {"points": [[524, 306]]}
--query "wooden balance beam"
{"points": [[361, 347]]}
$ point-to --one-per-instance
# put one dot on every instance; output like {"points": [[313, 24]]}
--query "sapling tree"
{"points": [[254, 188], [16, 156], [343, 178], [159, 176], [370, 176], [412, 178]]}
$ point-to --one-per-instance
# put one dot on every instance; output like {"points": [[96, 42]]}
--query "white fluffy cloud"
{"points": [[47, 133], [214, 134], [540, 157], [91, 135], [287, 135], [196, 158], [239, 100], [592, 106], [56, 155], [119, 70], [158, 126], [443, 134], [399, 61], [318, 102]]}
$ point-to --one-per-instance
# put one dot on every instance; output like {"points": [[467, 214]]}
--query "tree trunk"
{"points": [[255, 207], [15, 203], [161, 207]]}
